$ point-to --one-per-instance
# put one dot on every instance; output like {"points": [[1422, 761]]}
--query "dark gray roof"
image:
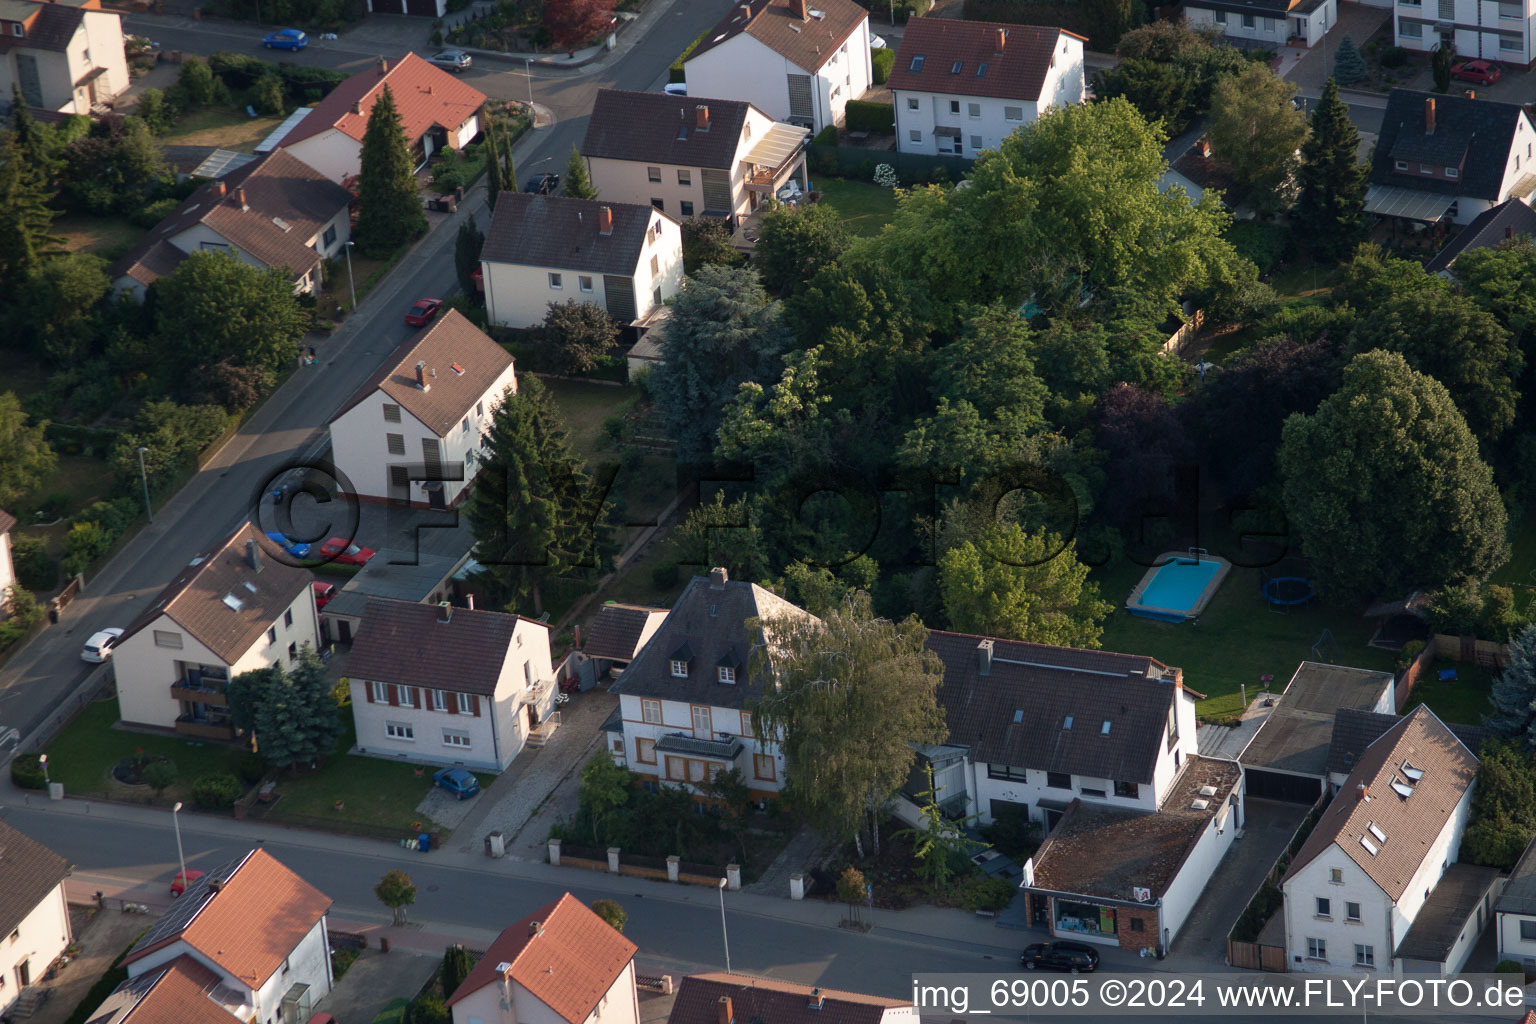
{"points": [[1519, 895], [1263, 8], [653, 127], [1511, 218], [1448, 912], [682, 743], [1296, 735], [1015, 714], [29, 871], [709, 625], [382, 577], [406, 643], [616, 631], [562, 234], [614, 722], [1355, 730], [1480, 129]]}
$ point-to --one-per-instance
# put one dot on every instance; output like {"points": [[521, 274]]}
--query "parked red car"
{"points": [[338, 549], [323, 593], [1483, 72], [422, 312], [180, 883]]}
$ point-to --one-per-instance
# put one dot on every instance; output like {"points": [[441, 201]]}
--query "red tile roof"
{"points": [[424, 95], [807, 42], [568, 965], [1014, 70], [179, 993]]}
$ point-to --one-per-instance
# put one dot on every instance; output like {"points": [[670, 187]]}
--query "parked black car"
{"points": [[544, 184], [1061, 956]]}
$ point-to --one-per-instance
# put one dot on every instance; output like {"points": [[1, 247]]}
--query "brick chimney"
{"points": [[817, 1000], [799, 9], [421, 376], [1361, 791], [723, 1011], [535, 929], [718, 575], [701, 117], [1509, 232], [220, 189], [1002, 39], [383, 66], [240, 198], [576, 637], [1429, 116], [357, 108], [605, 220], [984, 657], [746, 10], [444, 611]]}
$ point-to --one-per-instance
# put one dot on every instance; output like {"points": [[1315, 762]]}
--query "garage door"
{"points": [[425, 8], [1299, 789]]}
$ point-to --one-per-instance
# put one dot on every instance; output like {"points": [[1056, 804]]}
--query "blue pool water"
{"points": [[1177, 587]]}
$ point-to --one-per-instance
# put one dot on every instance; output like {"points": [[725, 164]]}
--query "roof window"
{"points": [[917, 63], [1376, 831], [233, 603], [1370, 847], [1066, 723], [1105, 730], [1401, 788], [1018, 716], [954, 68], [981, 70], [1413, 774]]}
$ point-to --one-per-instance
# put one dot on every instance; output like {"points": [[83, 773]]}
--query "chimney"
{"points": [[253, 554], [1471, 94], [535, 929], [357, 108], [444, 611], [817, 999], [240, 198], [1205, 148], [746, 10], [220, 189], [984, 657], [605, 220], [1509, 232], [576, 637], [215, 884], [1362, 793], [1178, 679], [421, 376], [799, 9], [719, 575], [469, 601], [701, 117], [723, 1009], [383, 66], [1429, 116], [1002, 39]]}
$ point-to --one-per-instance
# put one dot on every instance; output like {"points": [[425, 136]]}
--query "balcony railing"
{"points": [[204, 728], [216, 697]]}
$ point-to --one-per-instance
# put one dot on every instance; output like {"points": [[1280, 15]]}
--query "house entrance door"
{"points": [[24, 973]]}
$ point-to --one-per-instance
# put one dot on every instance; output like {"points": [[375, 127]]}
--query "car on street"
{"points": [[1061, 956], [675, 88], [99, 647], [286, 39], [298, 549], [876, 42], [323, 593], [451, 60], [459, 781], [183, 881], [423, 311], [544, 184], [1483, 72], [339, 549]]}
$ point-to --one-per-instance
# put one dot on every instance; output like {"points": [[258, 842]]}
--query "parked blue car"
{"points": [[458, 781], [297, 549], [287, 39]]}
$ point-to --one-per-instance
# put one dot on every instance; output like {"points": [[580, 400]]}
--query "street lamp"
{"points": [[180, 857], [149, 509], [724, 935], [42, 761], [528, 68], [351, 283]]}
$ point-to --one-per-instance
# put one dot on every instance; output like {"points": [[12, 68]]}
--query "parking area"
{"points": [[373, 981]]}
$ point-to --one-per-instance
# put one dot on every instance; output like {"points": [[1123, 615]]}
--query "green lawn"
{"points": [[393, 1013], [1460, 701], [222, 127], [865, 208], [107, 237], [584, 406], [85, 752]]}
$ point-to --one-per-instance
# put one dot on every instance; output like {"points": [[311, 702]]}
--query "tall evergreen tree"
{"points": [[1440, 66], [391, 212], [578, 184], [1330, 209], [533, 510], [509, 175], [1349, 67], [293, 715], [493, 183], [466, 256], [38, 142], [24, 197], [1514, 693]]}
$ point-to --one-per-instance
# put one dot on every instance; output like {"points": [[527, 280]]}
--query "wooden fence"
{"points": [[1184, 335], [1484, 653], [1256, 956], [1411, 675]]}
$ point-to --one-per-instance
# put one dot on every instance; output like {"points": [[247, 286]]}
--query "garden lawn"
{"points": [[222, 127], [1459, 701], [394, 1013], [584, 406], [1238, 639], [107, 237], [865, 208], [83, 754]]}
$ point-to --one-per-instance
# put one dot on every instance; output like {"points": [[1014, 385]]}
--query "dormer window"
{"points": [[1451, 172], [18, 29], [726, 674], [679, 669], [1400, 165]]}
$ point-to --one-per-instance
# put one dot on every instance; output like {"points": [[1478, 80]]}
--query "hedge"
{"points": [[675, 72], [882, 61], [859, 164], [27, 771], [879, 118]]}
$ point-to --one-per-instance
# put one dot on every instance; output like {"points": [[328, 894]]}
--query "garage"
{"points": [[1273, 785], [424, 8]]}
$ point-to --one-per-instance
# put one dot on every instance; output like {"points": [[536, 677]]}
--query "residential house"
{"points": [[625, 258], [1034, 727], [233, 609], [562, 964], [33, 913], [392, 574], [964, 86], [616, 635], [795, 62], [438, 111], [412, 432], [1509, 220], [256, 926], [1122, 877], [1275, 22], [273, 212], [1449, 157], [66, 56], [684, 698], [1501, 31], [1451, 920], [445, 685], [1515, 912], [716, 997], [7, 563], [689, 156], [1287, 759], [1354, 730], [180, 992], [1367, 871]]}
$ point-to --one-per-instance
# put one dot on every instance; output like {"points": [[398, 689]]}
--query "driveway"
{"points": [[373, 980], [1310, 69]]}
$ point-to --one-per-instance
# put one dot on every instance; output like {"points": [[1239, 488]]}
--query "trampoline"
{"points": [[1288, 591]]}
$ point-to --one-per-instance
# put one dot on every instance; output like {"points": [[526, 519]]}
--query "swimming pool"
{"points": [[1178, 588]]}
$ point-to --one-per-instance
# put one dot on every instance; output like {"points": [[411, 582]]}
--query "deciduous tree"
{"points": [[1256, 129], [26, 458], [578, 334], [391, 212], [795, 242], [604, 789], [572, 22], [612, 912], [396, 891], [1330, 207], [705, 241], [57, 307]]}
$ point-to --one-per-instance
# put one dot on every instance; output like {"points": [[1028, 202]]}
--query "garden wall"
{"points": [[660, 869], [1411, 675]]}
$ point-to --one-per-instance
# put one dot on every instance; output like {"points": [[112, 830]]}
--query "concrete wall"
{"points": [[1185, 889], [333, 153], [41, 937], [1439, 855]]}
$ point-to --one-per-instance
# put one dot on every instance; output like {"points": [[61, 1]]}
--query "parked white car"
{"points": [[99, 647], [676, 89], [876, 42]]}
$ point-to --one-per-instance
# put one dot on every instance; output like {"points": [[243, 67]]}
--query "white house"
{"points": [[562, 964], [689, 156], [960, 87], [412, 432], [255, 925], [1449, 157], [624, 258], [796, 62], [233, 609], [445, 685], [273, 212], [438, 111], [1033, 727], [65, 55], [7, 564], [33, 913], [1355, 888], [1502, 31], [684, 698], [1515, 912], [720, 998], [1276, 22]]}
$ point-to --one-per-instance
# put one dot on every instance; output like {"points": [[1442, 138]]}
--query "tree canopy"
{"points": [[390, 209], [1257, 131], [1330, 207], [292, 713], [26, 458], [578, 334]]}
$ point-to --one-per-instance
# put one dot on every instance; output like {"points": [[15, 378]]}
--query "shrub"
{"points": [[216, 791], [267, 94], [251, 768], [85, 543], [457, 963], [342, 961], [664, 575], [155, 111], [236, 70], [1267, 245], [159, 775], [983, 892], [428, 1009], [35, 567], [612, 912], [1012, 834], [881, 63], [1508, 967], [884, 175], [150, 214], [864, 116], [1260, 909], [27, 771], [1394, 57], [827, 136], [675, 71]]}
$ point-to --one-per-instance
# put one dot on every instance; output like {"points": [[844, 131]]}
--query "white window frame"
{"points": [[1013, 113], [726, 674], [407, 696], [402, 731], [679, 668], [379, 692], [456, 738], [466, 703], [439, 700], [650, 711], [584, 282], [1317, 949], [1365, 955], [556, 281], [169, 639]]}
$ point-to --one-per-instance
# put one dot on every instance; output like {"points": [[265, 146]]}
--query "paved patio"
{"points": [[1309, 69]]}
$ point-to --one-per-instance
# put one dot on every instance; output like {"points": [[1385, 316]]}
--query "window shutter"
{"points": [[368, 692], [394, 694], [474, 704], [451, 702]]}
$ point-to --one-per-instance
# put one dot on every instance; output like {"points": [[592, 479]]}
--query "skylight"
{"points": [[1018, 716], [981, 71], [1401, 788], [1376, 831], [1067, 722], [954, 68], [1105, 730], [917, 63], [234, 603], [1207, 790], [1371, 847], [1199, 805], [1414, 774]]}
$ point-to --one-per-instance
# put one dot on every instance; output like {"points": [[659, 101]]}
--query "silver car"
{"points": [[452, 60]]}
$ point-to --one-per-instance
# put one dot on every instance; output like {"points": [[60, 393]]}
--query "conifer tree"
{"points": [[578, 185], [24, 196], [1514, 692], [1349, 66], [493, 183], [391, 212], [1330, 210]]}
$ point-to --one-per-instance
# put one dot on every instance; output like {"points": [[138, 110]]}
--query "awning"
{"points": [[781, 143], [1406, 203], [90, 76]]}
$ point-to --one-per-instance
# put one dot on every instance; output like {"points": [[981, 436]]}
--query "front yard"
{"points": [[107, 237], [82, 756]]}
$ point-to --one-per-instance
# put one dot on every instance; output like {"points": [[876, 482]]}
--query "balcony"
{"points": [[204, 729], [202, 693], [775, 154]]}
